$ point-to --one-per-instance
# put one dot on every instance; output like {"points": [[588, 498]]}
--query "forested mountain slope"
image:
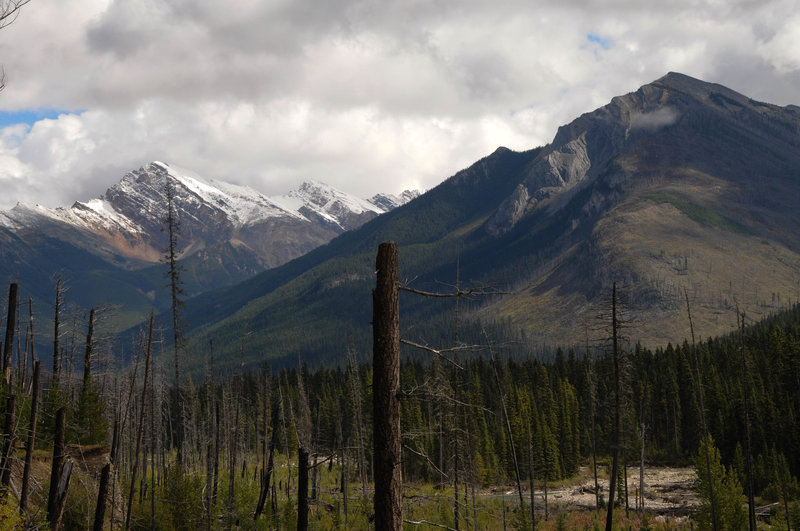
{"points": [[681, 185]]}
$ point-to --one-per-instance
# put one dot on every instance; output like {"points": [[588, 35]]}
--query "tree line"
{"points": [[471, 418]]}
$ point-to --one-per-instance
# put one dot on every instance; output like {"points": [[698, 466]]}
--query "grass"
{"points": [[700, 214]]}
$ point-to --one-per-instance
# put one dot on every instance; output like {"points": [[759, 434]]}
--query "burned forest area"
{"points": [[701, 434]]}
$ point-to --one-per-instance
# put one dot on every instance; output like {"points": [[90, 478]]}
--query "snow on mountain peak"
{"points": [[137, 203]]}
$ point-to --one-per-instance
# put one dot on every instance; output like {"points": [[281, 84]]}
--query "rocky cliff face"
{"points": [[626, 128], [681, 187]]}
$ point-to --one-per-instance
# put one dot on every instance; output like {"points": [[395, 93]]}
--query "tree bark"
{"points": [[386, 385], [302, 490], [102, 494]]}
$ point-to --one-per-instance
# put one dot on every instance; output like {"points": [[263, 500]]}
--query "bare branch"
{"points": [[457, 293], [439, 353], [426, 458], [9, 11], [425, 522]]}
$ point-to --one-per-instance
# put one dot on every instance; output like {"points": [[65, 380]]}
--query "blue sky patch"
{"points": [[30, 116], [603, 42]]}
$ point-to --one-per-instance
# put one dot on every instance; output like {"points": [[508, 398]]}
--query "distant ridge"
{"points": [[112, 246]]}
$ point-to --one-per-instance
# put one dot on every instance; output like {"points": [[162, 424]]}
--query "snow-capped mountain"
{"points": [[227, 232]]}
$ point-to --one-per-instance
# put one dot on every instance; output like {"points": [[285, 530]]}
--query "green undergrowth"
{"points": [[700, 214]]}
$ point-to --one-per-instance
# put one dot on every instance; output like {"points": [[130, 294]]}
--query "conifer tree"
{"points": [[728, 493]]}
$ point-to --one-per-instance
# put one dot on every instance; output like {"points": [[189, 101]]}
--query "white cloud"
{"points": [[368, 96], [652, 121]]}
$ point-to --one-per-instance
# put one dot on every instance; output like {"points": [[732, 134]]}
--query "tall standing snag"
{"points": [[176, 292], [8, 344], [617, 408], [26, 473], [385, 387]]}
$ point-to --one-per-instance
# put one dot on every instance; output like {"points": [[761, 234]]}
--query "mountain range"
{"points": [[682, 191], [110, 249]]}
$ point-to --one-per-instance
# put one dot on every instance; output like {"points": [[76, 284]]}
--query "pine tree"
{"points": [[728, 493]]}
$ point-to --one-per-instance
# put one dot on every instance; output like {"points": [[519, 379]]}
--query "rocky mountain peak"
{"points": [[583, 149], [125, 223]]}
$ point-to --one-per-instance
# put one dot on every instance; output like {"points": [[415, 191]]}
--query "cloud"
{"points": [[368, 96], [653, 121]]}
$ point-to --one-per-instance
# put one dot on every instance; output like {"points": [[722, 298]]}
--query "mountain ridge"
{"points": [[227, 233], [681, 187]]}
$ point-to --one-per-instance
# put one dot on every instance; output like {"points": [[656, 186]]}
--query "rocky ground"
{"points": [[669, 493]]}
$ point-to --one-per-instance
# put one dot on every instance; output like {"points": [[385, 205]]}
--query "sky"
{"points": [[366, 95]]}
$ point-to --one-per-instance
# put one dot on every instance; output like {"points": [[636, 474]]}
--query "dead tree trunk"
{"points": [[751, 505], [617, 409], [265, 479], [176, 292], [56, 322], [26, 474], [530, 477], [140, 426], [215, 482], [234, 443], [700, 394], [210, 432], [29, 341], [302, 490], [102, 494], [8, 444], [512, 447], [386, 385], [641, 476], [8, 344], [87, 359], [57, 495]]}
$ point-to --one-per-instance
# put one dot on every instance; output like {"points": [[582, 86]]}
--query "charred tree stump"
{"points": [[386, 385]]}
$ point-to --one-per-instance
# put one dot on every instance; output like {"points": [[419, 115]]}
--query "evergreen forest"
{"points": [[293, 447]]}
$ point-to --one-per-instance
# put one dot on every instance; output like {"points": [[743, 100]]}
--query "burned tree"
{"points": [[386, 385], [616, 354], [8, 344], [172, 226]]}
